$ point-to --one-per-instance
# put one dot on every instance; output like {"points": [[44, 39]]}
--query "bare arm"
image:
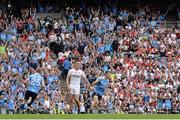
{"points": [[87, 82], [111, 14], [92, 11], [97, 13], [26, 82], [95, 82], [73, 9], [42, 86], [82, 17]]}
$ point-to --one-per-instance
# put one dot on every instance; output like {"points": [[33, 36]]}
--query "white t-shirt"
{"points": [[75, 79], [56, 25], [53, 37], [47, 103], [173, 36], [85, 59], [66, 53]]}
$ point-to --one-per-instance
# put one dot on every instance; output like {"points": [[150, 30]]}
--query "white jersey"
{"points": [[75, 79]]}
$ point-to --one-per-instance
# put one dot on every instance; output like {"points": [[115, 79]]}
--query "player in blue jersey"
{"points": [[34, 84], [100, 86]]}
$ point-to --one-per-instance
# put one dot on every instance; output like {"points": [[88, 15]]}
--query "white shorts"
{"points": [[75, 90]]}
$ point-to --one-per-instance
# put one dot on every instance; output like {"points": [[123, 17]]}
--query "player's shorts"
{"points": [[75, 90], [96, 94], [30, 95]]}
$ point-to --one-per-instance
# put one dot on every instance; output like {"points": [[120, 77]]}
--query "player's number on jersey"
{"points": [[35, 81]]}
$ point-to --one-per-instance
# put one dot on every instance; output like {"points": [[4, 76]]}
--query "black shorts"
{"points": [[96, 94], [29, 94]]}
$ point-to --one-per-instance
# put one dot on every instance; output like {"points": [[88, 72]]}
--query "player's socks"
{"points": [[78, 111]]}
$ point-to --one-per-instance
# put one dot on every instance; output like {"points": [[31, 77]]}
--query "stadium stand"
{"points": [[129, 39]]}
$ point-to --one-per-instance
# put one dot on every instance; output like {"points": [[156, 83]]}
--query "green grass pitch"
{"points": [[92, 116]]}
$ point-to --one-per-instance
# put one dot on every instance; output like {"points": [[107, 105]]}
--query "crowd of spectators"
{"points": [[142, 55]]}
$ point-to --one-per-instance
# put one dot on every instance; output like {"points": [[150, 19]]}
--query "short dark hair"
{"points": [[76, 58], [107, 72]]}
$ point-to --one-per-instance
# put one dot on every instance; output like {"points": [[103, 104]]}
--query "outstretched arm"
{"points": [[95, 82], [42, 86], [87, 82]]}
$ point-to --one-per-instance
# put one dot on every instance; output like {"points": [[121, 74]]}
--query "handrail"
{"points": [[172, 23]]}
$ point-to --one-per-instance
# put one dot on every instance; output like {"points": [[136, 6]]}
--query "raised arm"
{"points": [[92, 11], [82, 17], [98, 11]]}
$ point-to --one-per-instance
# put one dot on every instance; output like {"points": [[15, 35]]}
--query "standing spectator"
{"points": [[66, 67]]}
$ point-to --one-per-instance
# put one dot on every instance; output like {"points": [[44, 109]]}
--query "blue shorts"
{"points": [[96, 94]]}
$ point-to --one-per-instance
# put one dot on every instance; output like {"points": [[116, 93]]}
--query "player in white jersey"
{"points": [[74, 77]]}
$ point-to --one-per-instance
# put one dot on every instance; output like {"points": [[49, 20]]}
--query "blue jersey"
{"points": [[160, 103], [36, 80], [101, 85], [168, 104]]}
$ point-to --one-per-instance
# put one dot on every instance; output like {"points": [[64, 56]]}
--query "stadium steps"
{"points": [[65, 89], [63, 80], [171, 18]]}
